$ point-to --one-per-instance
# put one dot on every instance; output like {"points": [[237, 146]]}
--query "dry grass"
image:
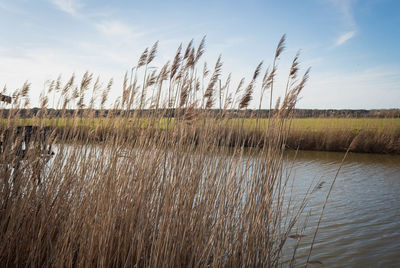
{"points": [[147, 196], [365, 135]]}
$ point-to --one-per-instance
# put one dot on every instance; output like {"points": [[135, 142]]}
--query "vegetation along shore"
{"points": [[365, 134]]}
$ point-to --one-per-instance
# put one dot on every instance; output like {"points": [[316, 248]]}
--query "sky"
{"points": [[352, 46]]}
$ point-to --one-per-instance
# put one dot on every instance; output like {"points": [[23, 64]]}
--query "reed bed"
{"points": [[171, 196], [361, 135], [367, 139]]}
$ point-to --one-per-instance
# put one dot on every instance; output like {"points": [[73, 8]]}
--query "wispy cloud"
{"points": [[344, 38], [116, 28], [68, 6], [345, 7]]}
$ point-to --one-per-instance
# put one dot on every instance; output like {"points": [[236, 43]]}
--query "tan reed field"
{"points": [[172, 196]]}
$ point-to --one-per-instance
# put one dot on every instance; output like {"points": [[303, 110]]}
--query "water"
{"points": [[361, 223]]}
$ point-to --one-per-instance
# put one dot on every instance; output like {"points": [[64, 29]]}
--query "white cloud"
{"points": [[116, 28], [344, 38], [68, 6]]}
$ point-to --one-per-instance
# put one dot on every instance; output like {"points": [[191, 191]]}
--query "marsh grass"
{"points": [[363, 135], [371, 135], [171, 196]]}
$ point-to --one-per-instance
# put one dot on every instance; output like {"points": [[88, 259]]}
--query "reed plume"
{"points": [[247, 96], [176, 63], [143, 58], [152, 54], [208, 95], [200, 50]]}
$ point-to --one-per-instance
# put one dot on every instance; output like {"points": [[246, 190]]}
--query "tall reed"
{"points": [[149, 193]]}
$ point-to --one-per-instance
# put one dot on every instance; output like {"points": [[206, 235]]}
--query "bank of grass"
{"points": [[367, 135], [182, 194], [363, 135]]}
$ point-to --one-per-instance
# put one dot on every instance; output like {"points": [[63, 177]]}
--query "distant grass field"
{"points": [[356, 124]]}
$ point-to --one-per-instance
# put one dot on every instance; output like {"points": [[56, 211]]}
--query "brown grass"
{"points": [[143, 196], [366, 140]]}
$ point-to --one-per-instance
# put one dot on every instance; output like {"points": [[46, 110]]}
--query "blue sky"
{"points": [[352, 46]]}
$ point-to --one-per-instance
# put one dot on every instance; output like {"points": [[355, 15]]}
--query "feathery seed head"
{"points": [[188, 49], [143, 58], [280, 47], [176, 63], [152, 53]]}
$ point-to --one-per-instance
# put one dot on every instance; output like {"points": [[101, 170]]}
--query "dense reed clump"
{"points": [[153, 190]]}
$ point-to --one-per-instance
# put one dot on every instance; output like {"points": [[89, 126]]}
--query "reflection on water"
{"points": [[361, 223]]}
